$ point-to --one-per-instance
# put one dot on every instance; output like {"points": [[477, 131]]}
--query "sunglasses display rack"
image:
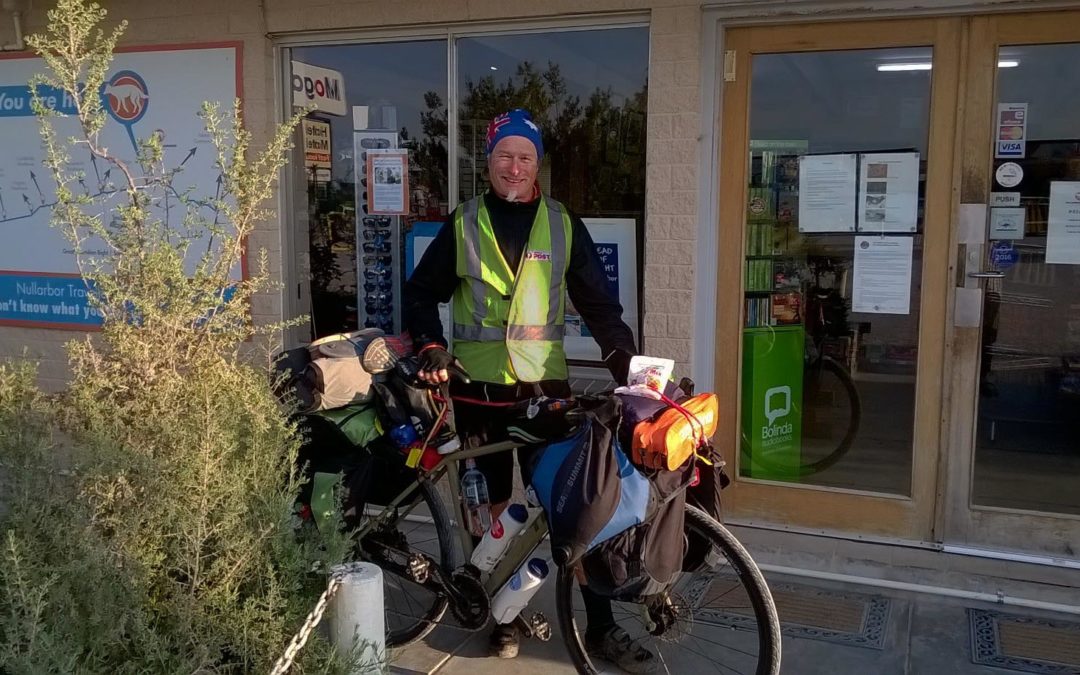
{"points": [[378, 244]]}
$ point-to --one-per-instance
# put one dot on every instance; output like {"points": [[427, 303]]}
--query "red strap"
{"points": [[690, 417], [477, 401], [430, 345]]}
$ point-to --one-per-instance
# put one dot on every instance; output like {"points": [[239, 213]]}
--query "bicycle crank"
{"points": [[535, 627], [469, 601]]}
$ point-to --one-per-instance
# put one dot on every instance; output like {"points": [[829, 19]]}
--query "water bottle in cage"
{"points": [[474, 491]]}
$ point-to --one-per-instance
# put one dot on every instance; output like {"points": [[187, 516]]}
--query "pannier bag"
{"points": [[642, 561], [328, 373], [669, 439], [373, 473], [705, 495], [588, 487]]}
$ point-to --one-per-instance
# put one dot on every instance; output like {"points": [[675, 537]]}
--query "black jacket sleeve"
{"points": [[433, 282], [587, 286]]}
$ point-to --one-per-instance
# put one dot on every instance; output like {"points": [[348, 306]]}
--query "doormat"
{"points": [[852, 619], [1025, 643]]}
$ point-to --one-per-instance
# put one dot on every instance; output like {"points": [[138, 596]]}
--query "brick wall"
{"points": [[671, 183]]}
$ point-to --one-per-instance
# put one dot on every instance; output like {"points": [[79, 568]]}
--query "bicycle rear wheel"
{"points": [[724, 616], [411, 610], [830, 394]]}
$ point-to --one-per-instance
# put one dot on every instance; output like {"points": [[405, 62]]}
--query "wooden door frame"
{"points": [[806, 506], [965, 524]]}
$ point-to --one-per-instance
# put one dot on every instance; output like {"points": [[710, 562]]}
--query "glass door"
{"points": [[837, 157], [1017, 436]]}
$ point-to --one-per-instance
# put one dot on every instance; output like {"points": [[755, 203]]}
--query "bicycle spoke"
{"points": [[724, 646], [663, 661], [709, 659]]}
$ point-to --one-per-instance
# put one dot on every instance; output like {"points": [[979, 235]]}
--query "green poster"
{"points": [[772, 383]]}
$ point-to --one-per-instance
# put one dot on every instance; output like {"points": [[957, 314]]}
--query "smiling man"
{"points": [[507, 259]]}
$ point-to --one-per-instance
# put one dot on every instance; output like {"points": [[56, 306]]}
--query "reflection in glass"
{"points": [[403, 87], [829, 392], [1027, 452], [587, 91]]}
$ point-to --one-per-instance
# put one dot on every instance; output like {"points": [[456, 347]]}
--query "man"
{"points": [[507, 259]]}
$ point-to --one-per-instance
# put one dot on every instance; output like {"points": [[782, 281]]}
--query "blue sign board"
{"points": [[46, 300]]}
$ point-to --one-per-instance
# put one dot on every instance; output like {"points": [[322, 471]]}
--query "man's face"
{"points": [[513, 168]]}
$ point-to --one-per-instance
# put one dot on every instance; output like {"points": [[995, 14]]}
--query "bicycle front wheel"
{"points": [[721, 617], [412, 610]]}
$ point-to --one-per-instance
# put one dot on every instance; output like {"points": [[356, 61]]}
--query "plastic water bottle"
{"points": [[474, 490], [515, 595], [496, 540]]}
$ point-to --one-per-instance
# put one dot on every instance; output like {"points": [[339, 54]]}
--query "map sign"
{"points": [[147, 92]]}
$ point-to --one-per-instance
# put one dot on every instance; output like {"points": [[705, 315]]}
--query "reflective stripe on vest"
{"points": [[508, 326]]}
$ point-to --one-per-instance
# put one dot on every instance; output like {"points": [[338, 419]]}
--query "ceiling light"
{"points": [[901, 67]]}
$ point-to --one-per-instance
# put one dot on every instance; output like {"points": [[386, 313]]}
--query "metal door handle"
{"points": [[992, 274]]}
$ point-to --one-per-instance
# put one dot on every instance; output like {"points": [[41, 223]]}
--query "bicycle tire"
{"points": [[748, 575], [427, 618], [854, 420]]}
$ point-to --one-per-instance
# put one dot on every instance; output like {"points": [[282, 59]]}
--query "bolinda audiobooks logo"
{"points": [[777, 405]]}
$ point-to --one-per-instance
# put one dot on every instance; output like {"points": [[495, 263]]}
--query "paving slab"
{"points": [[899, 633]]}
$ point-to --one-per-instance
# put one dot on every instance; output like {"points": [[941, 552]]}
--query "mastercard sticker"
{"points": [[1011, 130]]}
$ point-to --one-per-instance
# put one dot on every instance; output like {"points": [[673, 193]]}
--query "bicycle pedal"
{"points": [[541, 627]]}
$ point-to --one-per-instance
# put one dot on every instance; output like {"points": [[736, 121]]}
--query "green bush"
{"points": [[147, 521]]}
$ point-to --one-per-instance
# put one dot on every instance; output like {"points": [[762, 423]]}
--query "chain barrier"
{"points": [[337, 577]]}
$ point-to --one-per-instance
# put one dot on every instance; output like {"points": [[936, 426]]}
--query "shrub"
{"points": [[148, 510]]}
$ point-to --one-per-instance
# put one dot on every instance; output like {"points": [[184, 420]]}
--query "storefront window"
{"points": [[587, 91], [833, 263], [1029, 391], [394, 97]]}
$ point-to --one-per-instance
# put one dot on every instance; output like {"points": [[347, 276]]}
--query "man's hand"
{"points": [[618, 364], [436, 364]]}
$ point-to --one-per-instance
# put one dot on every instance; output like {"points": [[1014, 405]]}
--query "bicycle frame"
{"points": [[520, 548]]}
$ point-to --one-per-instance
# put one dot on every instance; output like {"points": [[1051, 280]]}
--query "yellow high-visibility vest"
{"points": [[508, 327]]}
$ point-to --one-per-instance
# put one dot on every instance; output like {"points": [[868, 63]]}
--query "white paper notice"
{"points": [[827, 193], [1007, 223], [1063, 223], [889, 192], [388, 176], [882, 281]]}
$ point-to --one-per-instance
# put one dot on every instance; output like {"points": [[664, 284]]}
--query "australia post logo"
{"points": [[777, 407], [543, 256], [321, 87]]}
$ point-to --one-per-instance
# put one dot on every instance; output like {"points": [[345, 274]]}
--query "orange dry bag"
{"points": [[669, 439]]}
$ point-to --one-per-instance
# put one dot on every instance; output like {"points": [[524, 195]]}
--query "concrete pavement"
{"points": [[829, 629]]}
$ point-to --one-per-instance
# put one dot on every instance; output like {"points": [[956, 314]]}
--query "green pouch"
{"points": [[359, 423]]}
